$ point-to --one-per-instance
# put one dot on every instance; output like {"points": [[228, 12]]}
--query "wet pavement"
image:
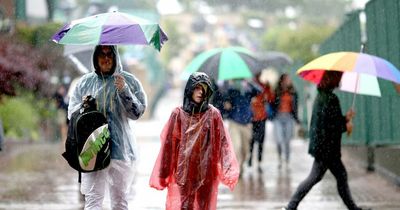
{"points": [[34, 176]]}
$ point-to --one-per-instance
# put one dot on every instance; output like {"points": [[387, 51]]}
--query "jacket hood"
{"points": [[117, 66], [189, 105]]}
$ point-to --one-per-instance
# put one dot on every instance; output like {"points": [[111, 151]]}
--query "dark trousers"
{"points": [[318, 170], [257, 136]]}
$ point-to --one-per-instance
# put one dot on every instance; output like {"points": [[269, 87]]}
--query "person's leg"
{"points": [[245, 136], [317, 172], [204, 195], [93, 188], [121, 175], [234, 132], [187, 198], [288, 127], [278, 131], [339, 171], [260, 139], [252, 141]]}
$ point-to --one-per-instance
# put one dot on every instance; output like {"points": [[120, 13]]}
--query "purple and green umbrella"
{"points": [[111, 28]]}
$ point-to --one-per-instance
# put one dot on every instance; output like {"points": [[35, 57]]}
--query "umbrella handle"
{"points": [[362, 50], [355, 92], [351, 119], [354, 101]]}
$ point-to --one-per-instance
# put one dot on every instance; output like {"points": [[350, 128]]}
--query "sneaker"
{"points": [[364, 208], [286, 208]]}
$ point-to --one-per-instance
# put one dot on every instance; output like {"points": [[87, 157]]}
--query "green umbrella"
{"points": [[224, 63]]}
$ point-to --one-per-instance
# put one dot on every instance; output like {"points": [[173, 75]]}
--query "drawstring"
{"points": [[105, 98], [191, 116], [104, 95]]}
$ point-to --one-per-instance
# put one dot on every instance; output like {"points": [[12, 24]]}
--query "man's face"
{"points": [[105, 59], [198, 94]]}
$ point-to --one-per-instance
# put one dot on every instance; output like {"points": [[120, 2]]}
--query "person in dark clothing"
{"points": [[218, 97], [327, 126], [62, 110]]}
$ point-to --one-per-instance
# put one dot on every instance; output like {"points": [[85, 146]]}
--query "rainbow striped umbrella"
{"points": [[111, 28], [360, 71]]}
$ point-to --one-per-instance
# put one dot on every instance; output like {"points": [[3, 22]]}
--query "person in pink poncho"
{"points": [[196, 151]]}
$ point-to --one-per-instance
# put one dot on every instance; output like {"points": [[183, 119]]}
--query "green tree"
{"points": [[301, 44], [176, 40], [319, 11]]}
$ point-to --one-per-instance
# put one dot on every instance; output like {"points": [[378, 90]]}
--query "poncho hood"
{"points": [[116, 60], [189, 105]]}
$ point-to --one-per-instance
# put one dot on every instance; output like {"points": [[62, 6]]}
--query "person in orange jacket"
{"points": [[259, 107]]}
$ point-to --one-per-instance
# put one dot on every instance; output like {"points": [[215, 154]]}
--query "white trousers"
{"points": [[117, 178], [240, 135]]}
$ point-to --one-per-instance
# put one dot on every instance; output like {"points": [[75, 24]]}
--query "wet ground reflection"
{"points": [[36, 173], [35, 176]]}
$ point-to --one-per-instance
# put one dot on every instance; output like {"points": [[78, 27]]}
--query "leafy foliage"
{"points": [[19, 66], [175, 43], [312, 10], [22, 65], [301, 44], [21, 116]]}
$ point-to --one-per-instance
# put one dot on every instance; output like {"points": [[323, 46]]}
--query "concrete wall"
{"points": [[384, 160], [387, 162]]}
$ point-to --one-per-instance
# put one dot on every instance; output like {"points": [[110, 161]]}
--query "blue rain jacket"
{"points": [[119, 107], [240, 95]]}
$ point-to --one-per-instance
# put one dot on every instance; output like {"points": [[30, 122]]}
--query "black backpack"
{"points": [[88, 144]]}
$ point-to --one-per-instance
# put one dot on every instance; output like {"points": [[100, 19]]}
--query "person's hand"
{"points": [[119, 82], [227, 105], [349, 128], [350, 114]]}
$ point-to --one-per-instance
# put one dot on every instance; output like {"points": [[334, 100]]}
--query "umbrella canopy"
{"points": [[225, 63], [274, 59], [360, 71], [111, 28]]}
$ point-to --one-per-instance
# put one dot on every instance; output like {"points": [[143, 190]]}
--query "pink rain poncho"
{"points": [[196, 154]]}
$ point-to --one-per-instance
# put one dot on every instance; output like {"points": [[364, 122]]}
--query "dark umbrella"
{"points": [[274, 59]]}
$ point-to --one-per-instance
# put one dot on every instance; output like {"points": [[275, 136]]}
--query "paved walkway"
{"points": [[34, 176], [272, 188]]}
